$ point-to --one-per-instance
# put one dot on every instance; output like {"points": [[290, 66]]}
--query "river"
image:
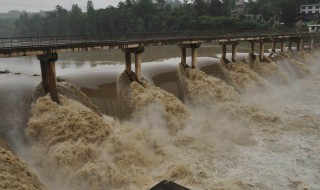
{"points": [[247, 125]]}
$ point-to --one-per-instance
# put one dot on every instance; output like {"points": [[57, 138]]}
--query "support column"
{"points": [[261, 53], [45, 76], [224, 52], [194, 53], [302, 44], [252, 47], [128, 62], [234, 51], [290, 44], [48, 73], [283, 46], [298, 45], [53, 82], [184, 56], [311, 43], [273, 46], [137, 50], [194, 56], [137, 62]]}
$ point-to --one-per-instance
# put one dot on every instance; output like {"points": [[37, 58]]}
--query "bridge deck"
{"points": [[12, 47]]}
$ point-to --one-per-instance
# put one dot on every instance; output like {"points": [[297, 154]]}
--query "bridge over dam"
{"points": [[47, 48]]}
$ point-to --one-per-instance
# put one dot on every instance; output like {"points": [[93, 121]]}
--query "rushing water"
{"points": [[246, 125]]}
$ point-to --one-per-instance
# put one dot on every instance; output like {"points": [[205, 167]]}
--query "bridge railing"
{"points": [[52, 41]]}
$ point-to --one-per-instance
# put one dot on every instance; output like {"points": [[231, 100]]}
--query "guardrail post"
{"points": [[48, 73]]}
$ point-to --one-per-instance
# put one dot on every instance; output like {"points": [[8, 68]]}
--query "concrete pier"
{"points": [[283, 46], [261, 52], [128, 63], [302, 44], [137, 50], [194, 56], [311, 43], [273, 49], [290, 44], [137, 63], [234, 45], [48, 73], [234, 51], [252, 44], [184, 56], [299, 45], [194, 53], [224, 53]]}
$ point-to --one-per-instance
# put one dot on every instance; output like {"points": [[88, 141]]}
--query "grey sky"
{"points": [[37, 5]]}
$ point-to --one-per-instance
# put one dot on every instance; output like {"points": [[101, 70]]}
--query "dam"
{"points": [[47, 48], [205, 118]]}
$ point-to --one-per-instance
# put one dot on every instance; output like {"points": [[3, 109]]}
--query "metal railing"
{"points": [[121, 38]]}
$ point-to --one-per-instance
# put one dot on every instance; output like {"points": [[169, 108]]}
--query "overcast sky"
{"points": [[37, 5]]}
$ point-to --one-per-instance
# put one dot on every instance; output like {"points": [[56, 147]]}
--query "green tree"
{"points": [[90, 7], [199, 7]]}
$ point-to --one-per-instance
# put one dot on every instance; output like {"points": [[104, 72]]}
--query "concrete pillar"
{"points": [[194, 56], [224, 52], [184, 56], [48, 72], [273, 46], [137, 50], [234, 52], [298, 45], [311, 43], [261, 53], [283, 46], [252, 47], [302, 44], [290, 44], [194, 53], [137, 62], [53, 82], [128, 62], [44, 75]]}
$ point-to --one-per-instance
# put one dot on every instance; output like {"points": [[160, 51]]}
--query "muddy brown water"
{"points": [[266, 138]]}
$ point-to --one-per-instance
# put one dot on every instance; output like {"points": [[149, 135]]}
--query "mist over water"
{"points": [[245, 125]]}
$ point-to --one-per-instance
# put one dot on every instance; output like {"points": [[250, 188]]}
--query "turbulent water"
{"points": [[14, 173], [255, 128]]}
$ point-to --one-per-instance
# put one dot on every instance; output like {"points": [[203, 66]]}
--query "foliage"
{"points": [[151, 16]]}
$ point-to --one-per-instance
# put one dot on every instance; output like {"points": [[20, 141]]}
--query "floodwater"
{"points": [[245, 125]]}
